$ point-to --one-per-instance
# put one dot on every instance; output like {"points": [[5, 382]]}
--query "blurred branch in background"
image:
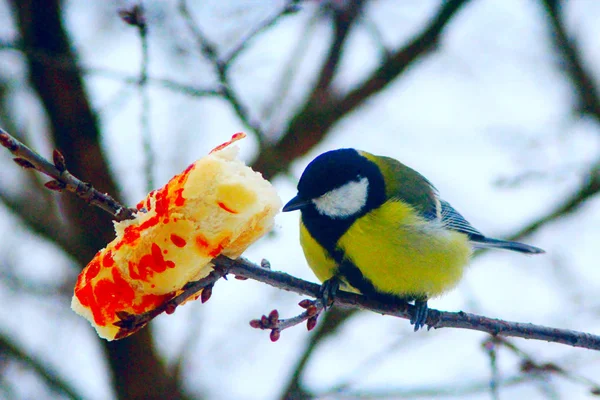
{"points": [[574, 66], [590, 187], [530, 366], [136, 16], [588, 103], [327, 327], [60, 386], [57, 61], [530, 372], [222, 64]]}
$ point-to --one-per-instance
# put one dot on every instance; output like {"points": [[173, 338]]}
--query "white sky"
{"points": [[491, 104]]}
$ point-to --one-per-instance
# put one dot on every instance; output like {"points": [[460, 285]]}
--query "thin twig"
{"points": [[491, 350], [63, 179], [209, 50], [290, 8], [276, 325], [130, 323], [530, 366], [376, 36]]}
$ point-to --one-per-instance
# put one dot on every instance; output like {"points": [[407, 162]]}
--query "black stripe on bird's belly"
{"points": [[327, 232], [353, 276]]}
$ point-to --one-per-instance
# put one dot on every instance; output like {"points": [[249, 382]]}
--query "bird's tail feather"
{"points": [[485, 242]]}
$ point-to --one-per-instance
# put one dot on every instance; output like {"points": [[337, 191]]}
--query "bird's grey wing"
{"points": [[453, 220]]}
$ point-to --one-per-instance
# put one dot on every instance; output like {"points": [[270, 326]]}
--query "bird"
{"points": [[374, 226]]}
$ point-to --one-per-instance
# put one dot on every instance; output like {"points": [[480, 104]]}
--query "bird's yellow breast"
{"points": [[399, 252], [402, 254], [319, 261]]}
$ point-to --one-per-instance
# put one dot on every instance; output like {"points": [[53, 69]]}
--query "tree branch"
{"points": [[63, 179], [399, 61], [436, 319]]}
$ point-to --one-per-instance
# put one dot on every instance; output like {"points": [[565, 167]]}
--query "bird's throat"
{"points": [[325, 231]]}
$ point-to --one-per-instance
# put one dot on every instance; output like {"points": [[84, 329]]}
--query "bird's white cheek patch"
{"points": [[344, 201]]}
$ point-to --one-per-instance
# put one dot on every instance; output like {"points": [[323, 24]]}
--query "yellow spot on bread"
{"points": [[235, 197]]}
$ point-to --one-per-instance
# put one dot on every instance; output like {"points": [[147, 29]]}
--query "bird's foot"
{"points": [[328, 291], [419, 317]]}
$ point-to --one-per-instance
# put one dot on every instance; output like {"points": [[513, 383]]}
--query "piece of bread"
{"points": [[216, 206]]}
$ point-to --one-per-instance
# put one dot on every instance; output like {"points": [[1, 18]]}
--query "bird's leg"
{"points": [[419, 317], [328, 291]]}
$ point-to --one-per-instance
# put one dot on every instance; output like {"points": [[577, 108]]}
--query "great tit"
{"points": [[377, 227]]}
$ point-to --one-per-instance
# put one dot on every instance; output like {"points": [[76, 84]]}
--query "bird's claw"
{"points": [[419, 317], [328, 291]]}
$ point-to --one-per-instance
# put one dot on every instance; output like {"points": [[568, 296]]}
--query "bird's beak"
{"points": [[296, 203]]}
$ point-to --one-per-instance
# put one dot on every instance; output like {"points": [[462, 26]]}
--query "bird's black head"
{"points": [[335, 189], [339, 184]]}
